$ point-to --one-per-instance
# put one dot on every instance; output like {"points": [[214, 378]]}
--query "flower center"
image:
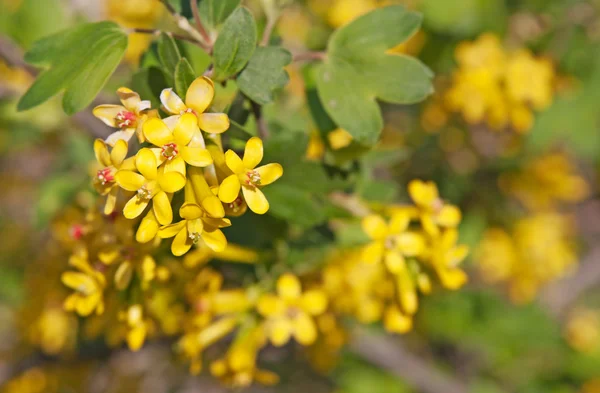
{"points": [[195, 237], [76, 231], [390, 243], [105, 176], [144, 193], [188, 110], [253, 178], [169, 151], [293, 312], [236, 205], [125, 119]]}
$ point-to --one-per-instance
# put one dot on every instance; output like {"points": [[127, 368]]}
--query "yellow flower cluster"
{"points": [[539, 249], [498, 87], [546, 182], [416, 244]]}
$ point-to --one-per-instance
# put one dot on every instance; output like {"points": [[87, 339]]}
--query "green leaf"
{"points": [[357, 71], [235, 45], [214, 12], [264, 73], [168, 54], [80, 62], [184, 76], [465, 18]]}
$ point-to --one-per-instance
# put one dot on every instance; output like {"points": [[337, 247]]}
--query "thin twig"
{"points": [[271, 22], [310, 56], [156, 32], [261, 124], [559, 296], [199, 25], [388, 353], [185, 25]]}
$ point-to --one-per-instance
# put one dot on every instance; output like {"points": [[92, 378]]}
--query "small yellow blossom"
{"points": [[198, 98], [151, 184], [248, 177], [88, 285], [290, 312], [583, 330], [104, 182], [433, 212], [129, 117]]}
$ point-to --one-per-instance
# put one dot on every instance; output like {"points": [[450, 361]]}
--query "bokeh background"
{"points": [[511, 136]]}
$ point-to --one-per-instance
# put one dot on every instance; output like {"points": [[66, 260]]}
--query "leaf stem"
{"points": [[185, 25], [157, 32], [271, 22], [199, 25], [261, 124], [310, 56]]}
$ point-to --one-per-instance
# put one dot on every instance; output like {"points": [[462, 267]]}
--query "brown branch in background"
{"points": [[310, 56], [199, 25], [261, 124], [389, 354], [271, 22], [349, 202], [13, 56], [560, 295], [185, 25]]}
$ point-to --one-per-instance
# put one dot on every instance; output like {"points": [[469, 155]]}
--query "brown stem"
{"points": [[199, 25], [389, 354], [261, 124], [310, 56], [185, 25], [271, 22]]}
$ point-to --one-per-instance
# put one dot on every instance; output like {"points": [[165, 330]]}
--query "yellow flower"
{"points": [[446, 258], [529, 80], [249, 178], [391, 242], [583, 330], [129, 117], [395, 321], [290, 312], [88, 285], [339, 138], [104, 182], [150, 185], [434, 213], [175, 146], [231, 253], [196, 225], [136, 327], [198, 98]]}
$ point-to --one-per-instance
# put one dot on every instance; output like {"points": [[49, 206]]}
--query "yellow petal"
{"points": [[171, 181], [190, 211], [196, 156], [305, 329], [314, 301], [123, 275], [176, 164], [145, 162], [288, 286], [200, 94], [424, 194], [234, 162], [148, 228], [136, 337], [213, 123], [396, 322], [129, 98], [108, 114], [134, 207], [407, 294], [86, 305], [118, 153], [270, 305], [229, 189], [162, 208], [213, 206], [269, 173], [171, 102], [171, 229], [185, 128], [79, 281], [399, 221], [449, 216], [101, 152], [195, 226], [256, 200], [215, 239], [181, 244], [124, 135], [375, 226], [111, 201], [280, 331], [410, 244], [129, 180], [372, 253], [157, 132], [394, 261], [253, 153]]}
